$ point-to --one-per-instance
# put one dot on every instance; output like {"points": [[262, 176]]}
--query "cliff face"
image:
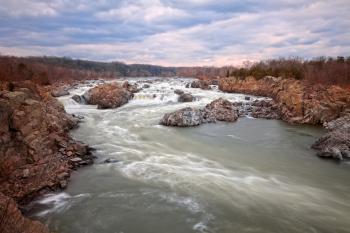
{"points": [[297, 101], [36, 152]]}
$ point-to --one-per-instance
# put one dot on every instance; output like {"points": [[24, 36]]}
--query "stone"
{"points": [[336, 143], [111, 160], [183, 118], [186, 97], [108, 95], [222, 110], [179, 92], [59, 93], [79, 99]]}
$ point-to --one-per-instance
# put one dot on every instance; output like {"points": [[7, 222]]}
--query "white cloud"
{"points": [[311, 29], [141, 13]]}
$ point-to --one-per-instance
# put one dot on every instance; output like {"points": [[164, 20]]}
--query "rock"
{"points": [[221, 110], [63, 184], [108, 96], [25, 173], [185, 98], [146, 85], [131, 87], [196, 84], [76, 160], [179, 92], [79, 99], [111, 160], [13, 221], [336, 143], [188, 85], [246, 97], [59, 93], [297, 101], [215, 82], [183, 118]]}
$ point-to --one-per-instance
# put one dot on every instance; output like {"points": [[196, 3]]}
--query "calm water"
{"points": [[249, 176]]}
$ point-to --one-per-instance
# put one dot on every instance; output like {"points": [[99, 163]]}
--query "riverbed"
{"points": [[253, 175]]}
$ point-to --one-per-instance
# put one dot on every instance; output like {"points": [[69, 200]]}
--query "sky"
{"points": [[175, 32]]}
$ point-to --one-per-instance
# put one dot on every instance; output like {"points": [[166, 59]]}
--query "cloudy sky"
{"points": [[175, 32]]}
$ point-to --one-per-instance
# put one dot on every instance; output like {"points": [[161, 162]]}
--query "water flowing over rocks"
{"points": [[35, 152], [335, 143], [109, 95], [298, 102]]}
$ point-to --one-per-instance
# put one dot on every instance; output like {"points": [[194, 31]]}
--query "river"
{"points": [[253, 175]]}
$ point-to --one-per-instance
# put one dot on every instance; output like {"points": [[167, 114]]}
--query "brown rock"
{"points": [[108, 96], [12, 220]]}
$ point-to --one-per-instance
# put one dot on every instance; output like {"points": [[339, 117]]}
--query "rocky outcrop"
{"points": [[183, 118], [221, 110], [108, 96], [298, 102], [12, 219], [335, 143], [185, 97], [59, 92], [218, 110], [35, 151]]}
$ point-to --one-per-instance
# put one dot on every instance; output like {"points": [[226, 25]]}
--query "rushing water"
{"points": [[253, 175]]}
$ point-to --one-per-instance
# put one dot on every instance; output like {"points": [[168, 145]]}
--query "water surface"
{"points": [[253, 175]]}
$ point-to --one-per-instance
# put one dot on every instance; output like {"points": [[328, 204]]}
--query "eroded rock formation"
{"points": [[36, 152], [297, 101]]}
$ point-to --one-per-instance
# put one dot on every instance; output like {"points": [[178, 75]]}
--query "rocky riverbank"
{"points": [[37, 155], [299, 102]]}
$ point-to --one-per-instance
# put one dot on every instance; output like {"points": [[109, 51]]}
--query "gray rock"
{"points": [[179, 92], [186, 97], [183, 118]]}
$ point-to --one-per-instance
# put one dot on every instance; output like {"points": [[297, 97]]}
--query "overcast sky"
{"points": [[175, 32]]}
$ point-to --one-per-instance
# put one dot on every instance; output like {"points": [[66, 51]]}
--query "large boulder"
{"points": [[222, 110], [186, 97], [335, 143], [183, 117], [59, 92], [218, 110], [108, 96]]}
